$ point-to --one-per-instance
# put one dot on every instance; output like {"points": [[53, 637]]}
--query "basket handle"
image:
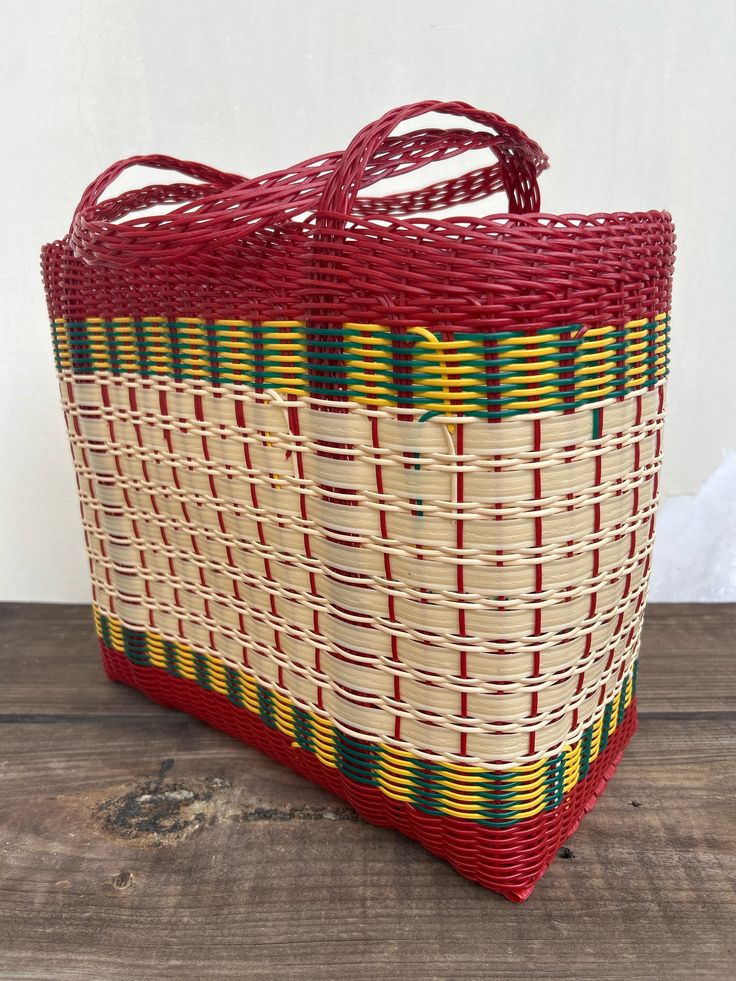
{"points": [[520, 159], [224, 207], [147, 197]]}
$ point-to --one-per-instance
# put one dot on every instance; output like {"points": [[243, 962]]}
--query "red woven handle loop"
{"points": [[227, 207], [136, 200], [520, 159], [222, 208]]}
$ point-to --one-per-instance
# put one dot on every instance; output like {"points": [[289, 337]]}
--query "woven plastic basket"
{"points": [[376, 493]]}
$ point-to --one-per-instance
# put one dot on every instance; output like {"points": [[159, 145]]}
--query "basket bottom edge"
{"points": [[507, 861]]}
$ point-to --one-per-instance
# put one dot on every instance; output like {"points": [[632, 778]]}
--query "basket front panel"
{"points": [[461, 587]]}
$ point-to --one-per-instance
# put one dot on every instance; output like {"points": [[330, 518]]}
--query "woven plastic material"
{"points": [[376, 493]]}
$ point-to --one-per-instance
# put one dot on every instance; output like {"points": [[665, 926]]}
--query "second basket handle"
{"points": [[520, 158]]}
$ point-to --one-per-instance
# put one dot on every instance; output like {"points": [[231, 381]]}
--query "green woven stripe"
{"points": [[597, 423], [303, 730], [233, 688], [499, 798], [395, 367], [585, 750], [172, 661], [265, 707]]}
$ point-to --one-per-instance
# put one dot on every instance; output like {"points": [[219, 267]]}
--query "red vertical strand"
{"points": [[126, 497], [657, 452], [293, 415], [538, 571], [200, 418], [383, 525], [227, 543], [460, 576], [567, 372], [597, 416], [164, 409], [597, 478], [71, 411], [163, 406], [634, 493], [241, 421], [596, 556]]}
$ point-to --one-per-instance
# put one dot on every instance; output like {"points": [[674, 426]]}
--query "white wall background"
{"points": [[632, 99]]}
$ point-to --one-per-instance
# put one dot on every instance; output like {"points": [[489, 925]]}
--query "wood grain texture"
{"points": [[137, 843]]}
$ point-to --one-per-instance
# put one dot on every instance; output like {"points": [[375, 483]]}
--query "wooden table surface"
{"points": [[136, 843]]}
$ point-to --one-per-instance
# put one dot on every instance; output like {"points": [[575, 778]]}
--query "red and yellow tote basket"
{"points": [[375, 492]]}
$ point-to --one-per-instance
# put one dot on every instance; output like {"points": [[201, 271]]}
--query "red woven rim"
{"points": [[508, 861], [523, 273]]}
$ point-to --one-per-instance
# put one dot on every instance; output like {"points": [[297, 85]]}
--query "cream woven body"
{"points": [[466, 589]]}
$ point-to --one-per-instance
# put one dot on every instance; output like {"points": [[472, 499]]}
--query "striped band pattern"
{"points": [[496, 799], [491, 375]]}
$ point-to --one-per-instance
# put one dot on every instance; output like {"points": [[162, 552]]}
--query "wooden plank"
{"points": [[138, 843], [687, 658], [274, 878]]}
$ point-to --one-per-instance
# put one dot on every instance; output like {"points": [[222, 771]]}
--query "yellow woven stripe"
{"points": [[365, 343], [126, 346], [62, 341], [98, 343]]}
